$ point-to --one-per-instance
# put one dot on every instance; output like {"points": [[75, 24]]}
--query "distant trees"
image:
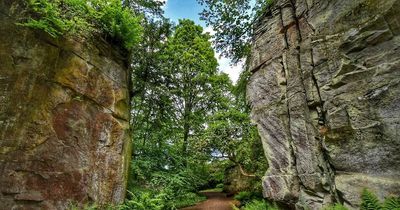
{"points": [[176, 86]]}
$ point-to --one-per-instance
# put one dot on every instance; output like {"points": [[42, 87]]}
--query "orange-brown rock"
{"points": [[63, 119]]}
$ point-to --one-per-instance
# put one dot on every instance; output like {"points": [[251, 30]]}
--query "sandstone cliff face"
{"points": [[63, 119], [326, 98]]}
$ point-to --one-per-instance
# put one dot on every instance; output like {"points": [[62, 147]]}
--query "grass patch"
{"points": [[189, 199], [212, 190]]}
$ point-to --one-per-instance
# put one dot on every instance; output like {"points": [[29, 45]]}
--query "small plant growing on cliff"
{"points": [[85, 17], [391, 203], [369, 201]]}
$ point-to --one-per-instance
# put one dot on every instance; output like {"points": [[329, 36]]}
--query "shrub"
{"points": [[84, 17], [258, 204], [220, 185], [144, 201], [245, 197]]}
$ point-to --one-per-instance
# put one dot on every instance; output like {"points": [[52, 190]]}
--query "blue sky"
{"points": [[179, 9], [190, 9]]}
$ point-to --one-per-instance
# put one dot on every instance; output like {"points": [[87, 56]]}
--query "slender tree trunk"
{"points": [[186, 129]]}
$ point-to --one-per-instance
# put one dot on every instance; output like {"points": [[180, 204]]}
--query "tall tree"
{"points": [[192, 69]]}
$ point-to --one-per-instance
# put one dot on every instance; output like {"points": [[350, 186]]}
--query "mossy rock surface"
{"points": [[63, 118]]}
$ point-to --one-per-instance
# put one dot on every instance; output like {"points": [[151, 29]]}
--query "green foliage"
{"points": [[187, 199], [85, 17], [369, 201], [391, 203], [233, 23], [144, 201], [51, 23], [218, 189], [118, 22], [257, 204], [246, 197], [184, 114], [220, 186]]}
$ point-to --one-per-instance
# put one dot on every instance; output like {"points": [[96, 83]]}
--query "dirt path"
{"points": [[215, 201]]}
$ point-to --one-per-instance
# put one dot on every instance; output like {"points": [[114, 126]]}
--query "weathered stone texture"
{"points": [[63, 119], [326, 98], [236, 181]]}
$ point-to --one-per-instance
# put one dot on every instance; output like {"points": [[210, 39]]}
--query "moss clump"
{"points": [[86, 17]]}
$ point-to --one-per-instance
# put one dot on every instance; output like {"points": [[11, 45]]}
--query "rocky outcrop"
{"points": [[235, 181], [326, 98], [63, 119]]}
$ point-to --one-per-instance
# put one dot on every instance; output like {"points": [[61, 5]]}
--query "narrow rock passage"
{"points": [[215, 201]]}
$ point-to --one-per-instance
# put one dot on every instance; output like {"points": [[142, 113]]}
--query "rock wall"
{"points": [[326, 98], [63, 119], [235, 181]]}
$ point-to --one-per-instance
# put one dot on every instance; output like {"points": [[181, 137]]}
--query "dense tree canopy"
{"points": [[187, 118]]}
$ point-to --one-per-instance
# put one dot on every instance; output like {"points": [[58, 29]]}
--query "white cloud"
{"points": [[225, 63], [209, 29], [232, 70]]}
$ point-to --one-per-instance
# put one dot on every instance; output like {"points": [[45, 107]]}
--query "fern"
{"points": [[260, 205], [84, 17], [369, 201], [391, 203]]}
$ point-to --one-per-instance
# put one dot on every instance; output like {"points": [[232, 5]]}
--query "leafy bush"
{"points": [[84, 17], [220, 185], [241, 196], [182, 181], [246, 197], [144, 201], [257, 205]]}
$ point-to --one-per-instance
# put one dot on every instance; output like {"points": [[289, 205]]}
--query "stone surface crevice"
{"points": [[323, 94]]}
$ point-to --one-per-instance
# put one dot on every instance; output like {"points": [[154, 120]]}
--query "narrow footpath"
{"points": [[215, 201]]}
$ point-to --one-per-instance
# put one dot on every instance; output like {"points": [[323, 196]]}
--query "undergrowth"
{"points": [[369, 201], [257, 204]]}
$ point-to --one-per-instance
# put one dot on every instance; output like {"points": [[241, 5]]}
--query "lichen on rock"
{"points": [[63, 119], [325, 96]]}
